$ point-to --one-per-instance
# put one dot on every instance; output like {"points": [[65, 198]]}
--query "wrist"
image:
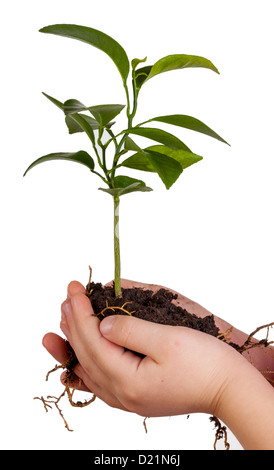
{"points": [[246, 405]]}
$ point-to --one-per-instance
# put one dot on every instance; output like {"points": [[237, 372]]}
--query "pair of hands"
{"points": [[183, 371]]}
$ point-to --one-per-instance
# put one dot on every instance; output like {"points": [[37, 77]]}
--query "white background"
{"points": [[209, 237]]}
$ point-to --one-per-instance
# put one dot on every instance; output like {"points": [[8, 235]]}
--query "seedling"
{"points": [[168, 157]]}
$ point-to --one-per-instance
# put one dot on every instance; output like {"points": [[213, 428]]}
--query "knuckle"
{"points": [[80, 301], [126, 330]]}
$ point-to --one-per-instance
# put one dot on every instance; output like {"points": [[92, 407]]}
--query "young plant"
{"points": [[168, 157]]}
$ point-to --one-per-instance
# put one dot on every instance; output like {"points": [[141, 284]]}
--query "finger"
{"points": [[137, 335], [74, 288], [78, 312], [82, 325], [58, 348], [99, 357], [102, 393], [66, 305]]}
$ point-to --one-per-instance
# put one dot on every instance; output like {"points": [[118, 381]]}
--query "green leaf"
{"points": [[169, 63], [95, 38], [84, 123], [183, 157], [141, 75], [159, 136], [125, 185], [73, 106], [139, 161], [179, 61], [136, 62], [105, 113], [188, 122], [131, 145], [74, 127], [54, 101], [168, 168], [80, 157]]}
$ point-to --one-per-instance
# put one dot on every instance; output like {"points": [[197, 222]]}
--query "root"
{"points": [[122, 309], [61, 366], [55, 401], [69, 388], [51, 400], [250, 344], [225, 336], [78, 404], [88, 289], [221, 432], [145, 425]]}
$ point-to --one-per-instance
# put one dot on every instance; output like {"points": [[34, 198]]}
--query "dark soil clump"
{"points": [[152, 306]]}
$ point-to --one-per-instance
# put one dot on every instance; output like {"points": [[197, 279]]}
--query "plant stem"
{"points": [[117, 259], [130, 116]]}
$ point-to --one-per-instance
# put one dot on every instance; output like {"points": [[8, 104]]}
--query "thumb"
{"points": [[137, 335]]}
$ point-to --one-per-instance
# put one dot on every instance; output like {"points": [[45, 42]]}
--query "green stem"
{"points": [[100, 176], [130, 116], [128, 99], [117, 258]]}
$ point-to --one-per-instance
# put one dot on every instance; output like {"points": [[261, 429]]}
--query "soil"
{"points": [[158, 307], [145, 304]]}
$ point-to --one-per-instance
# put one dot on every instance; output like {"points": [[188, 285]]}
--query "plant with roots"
{"points": [[168, 157]]}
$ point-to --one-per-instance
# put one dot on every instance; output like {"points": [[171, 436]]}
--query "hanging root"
{"points": [[78, 404], [61, 366], [55, 401], [221, 432], [250, 343], [145, 425], [69, 388]]}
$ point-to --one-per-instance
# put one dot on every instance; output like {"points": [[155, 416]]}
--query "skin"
{"points": [[184, 371]]}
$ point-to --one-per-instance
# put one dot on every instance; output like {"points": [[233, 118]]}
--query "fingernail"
{"points": [[106, 325], [66, 307]]}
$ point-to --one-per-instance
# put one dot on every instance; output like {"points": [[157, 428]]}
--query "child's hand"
{"points": [[184, 371]]}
